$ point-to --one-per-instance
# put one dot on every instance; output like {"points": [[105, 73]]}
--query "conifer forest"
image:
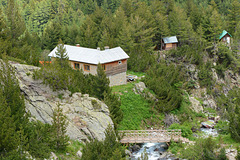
{"points": [[185, 86]]}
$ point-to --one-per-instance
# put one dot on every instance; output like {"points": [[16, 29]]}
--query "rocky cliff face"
{"points": [[226, 83], [87, 116]]}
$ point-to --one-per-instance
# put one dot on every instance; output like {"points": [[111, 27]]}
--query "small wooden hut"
{"points": [[225, 37], [169, 43]]}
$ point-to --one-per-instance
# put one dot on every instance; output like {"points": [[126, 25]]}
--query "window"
{"points": [[104, 67], [76, 65], [87, 67], [119, 62]]}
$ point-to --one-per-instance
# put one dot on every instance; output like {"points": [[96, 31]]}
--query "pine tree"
{"points": [[110, 148], [162, 29], [116, 114], [127, 6], [12, 115], [4, 37], [59, 129], [215, 29], [234, 16], [40, 17], [89, 33], [61, 54], [51, 35], [12, 94], [101, 84], [15, 21], [9, 138], [222, 155]]}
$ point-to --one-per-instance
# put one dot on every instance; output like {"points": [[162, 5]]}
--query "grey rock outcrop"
{"points": [[140, 88], [79, 154], [84, 119], [195, 105], [210, 103], [192, 71], [53, 156], [170, 119]]}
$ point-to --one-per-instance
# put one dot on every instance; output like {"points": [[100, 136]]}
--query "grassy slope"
{"points": [[137, 111]]}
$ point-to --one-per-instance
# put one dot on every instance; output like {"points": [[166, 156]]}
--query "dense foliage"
{"points": [[110, 148], [30, 29], [204, 149], [136, 26], [164, 80], [231, 105]]}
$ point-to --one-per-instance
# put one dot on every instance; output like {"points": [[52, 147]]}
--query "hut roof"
{"points": [[172, 39], [223, 34]]}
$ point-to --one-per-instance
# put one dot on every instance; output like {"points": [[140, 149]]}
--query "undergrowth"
{"points": [[71, 151]]}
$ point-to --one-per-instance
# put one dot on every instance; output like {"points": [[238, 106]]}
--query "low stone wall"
{"points": [[117, 79]]}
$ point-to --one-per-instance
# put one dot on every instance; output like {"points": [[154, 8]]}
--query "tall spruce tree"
{"points": [[51, 35], [9, 137], [15, 21], [215, 29], [61, 54], [89, 33], [12, 115], [234, 16], [59, 129], [12, 94], [4, 37], [101, 84]]}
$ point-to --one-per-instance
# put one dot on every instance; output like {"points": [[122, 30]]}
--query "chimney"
{"points": [[77, 45], [106, 47], [98, 48]]}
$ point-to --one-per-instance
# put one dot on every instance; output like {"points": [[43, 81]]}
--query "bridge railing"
{"points": [[149, 135]]}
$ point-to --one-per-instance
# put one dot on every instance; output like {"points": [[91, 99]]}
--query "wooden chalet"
{"points": [[114, 61], [225, 37], [169, 43]]}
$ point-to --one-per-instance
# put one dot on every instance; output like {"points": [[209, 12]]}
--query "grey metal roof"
{"points": [[172, 39], [92, 56]]}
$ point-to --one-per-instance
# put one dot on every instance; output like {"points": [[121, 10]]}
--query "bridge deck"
{"points": [[151, 136]]}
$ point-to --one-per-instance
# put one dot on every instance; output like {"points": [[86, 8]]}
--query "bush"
{"points": [[205, 76], [203, 149], [175, 147], [95, 104], [185, 128], [165, 81], [107, 149], [222, 127]]}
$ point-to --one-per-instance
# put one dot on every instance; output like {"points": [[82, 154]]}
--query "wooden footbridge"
{"points": [[152, 136]]}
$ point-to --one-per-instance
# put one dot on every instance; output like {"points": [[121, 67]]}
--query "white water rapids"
{"points": [[153, 150]]}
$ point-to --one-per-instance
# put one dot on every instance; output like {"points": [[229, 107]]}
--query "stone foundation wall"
{"points": [[117, 79]]}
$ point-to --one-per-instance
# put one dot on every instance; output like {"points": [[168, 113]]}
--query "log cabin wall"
{"points": [[116, 67], [169, 46]]}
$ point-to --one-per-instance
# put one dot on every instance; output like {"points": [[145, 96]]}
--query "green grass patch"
{"points": [[210, 110], [139, 74], [136, 109], [122, 88]]}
